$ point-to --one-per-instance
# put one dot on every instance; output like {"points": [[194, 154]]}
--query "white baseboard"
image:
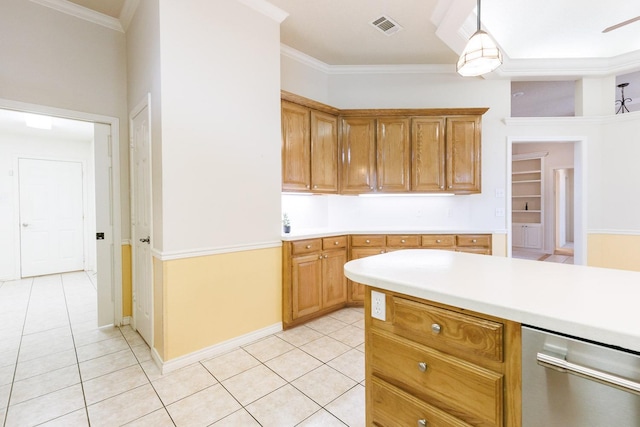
{"points": [[215, 350]]}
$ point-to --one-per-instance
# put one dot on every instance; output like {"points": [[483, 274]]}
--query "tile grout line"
{"points": [[75, 351], [15, 368]]}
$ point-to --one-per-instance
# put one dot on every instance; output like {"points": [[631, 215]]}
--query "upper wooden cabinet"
{"points": [[463, 154], [393, 154], [376, 155], [358, 155], [296, 148], [390, 150], [309, 150], [428, 154]]}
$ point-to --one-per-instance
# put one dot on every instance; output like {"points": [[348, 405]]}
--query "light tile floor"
{"points": [[58, 369]]}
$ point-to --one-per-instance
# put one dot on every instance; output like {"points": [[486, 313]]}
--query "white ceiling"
{"points": [[555, 41]]}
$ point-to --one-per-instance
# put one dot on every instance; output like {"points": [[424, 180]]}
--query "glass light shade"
{"points": [[480, 56]]}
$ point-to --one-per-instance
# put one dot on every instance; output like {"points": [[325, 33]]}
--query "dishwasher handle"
{"points": [[559, 363]]}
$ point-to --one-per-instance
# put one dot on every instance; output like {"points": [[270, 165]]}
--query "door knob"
{"points": [[146, 240]]}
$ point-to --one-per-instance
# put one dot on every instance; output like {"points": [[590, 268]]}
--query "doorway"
{"points": [[105, 206], [562, 154], [564, 201]]}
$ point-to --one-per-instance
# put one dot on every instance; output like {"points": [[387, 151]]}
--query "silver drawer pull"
{"points": [[308, 246], [422, 366], [422, 423], [403, 241], [438, 241], [320, 256], [474, 241], [382, 251], [435, 328], [367, 241], [336, 243], [558, 363]]}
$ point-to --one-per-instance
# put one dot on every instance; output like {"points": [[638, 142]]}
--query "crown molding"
{"points": [[73, 9], [127, 13], [312, 62], [267, 9]]}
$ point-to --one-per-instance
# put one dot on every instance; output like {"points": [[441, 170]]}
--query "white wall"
{"points": [[143, 77], [220, 126], [54, 59], [12, 147]]}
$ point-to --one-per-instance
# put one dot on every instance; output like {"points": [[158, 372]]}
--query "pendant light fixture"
{"points": [[481, 54]]}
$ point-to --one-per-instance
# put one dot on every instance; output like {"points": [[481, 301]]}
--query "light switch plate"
{"points": [[378, 305]]}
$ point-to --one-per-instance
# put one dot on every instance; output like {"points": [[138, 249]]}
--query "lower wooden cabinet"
{"points": [[435, 365], [313, 278], [313, 269]]}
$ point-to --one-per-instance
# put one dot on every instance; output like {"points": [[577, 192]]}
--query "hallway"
{"points": [[58, 369]]}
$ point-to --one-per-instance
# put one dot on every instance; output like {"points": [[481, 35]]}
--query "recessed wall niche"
{"points": [[631, 92], [543, 98]]}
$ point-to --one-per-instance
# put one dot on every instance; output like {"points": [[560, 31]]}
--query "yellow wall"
{"points": [[210, 299], [499, 245], [127, 292], [614, 251]]}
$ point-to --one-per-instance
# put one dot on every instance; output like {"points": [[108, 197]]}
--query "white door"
{"points": [[141, 221], [103, 152], [51, 216]]}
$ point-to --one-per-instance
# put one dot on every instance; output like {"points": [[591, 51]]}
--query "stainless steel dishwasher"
{"points": [[569, 382]]}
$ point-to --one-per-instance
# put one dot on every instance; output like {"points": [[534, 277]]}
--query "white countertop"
{"points": [[311, 233], [594, 303]]}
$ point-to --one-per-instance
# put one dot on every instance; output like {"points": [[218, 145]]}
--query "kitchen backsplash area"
{"points": [[389, 212]]}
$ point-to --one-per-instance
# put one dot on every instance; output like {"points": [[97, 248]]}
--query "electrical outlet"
{"points": [[378, 305], [499, 211]]}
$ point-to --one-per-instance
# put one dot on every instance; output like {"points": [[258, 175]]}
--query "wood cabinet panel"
{"points": [[324, 152], [393, 407], [358, 144], [370, 240], [393, 154], [406, 241], [459, 333], [466, 391], [334, 282], [335, 242], [306, 288], [356, 290], [300, 247], [463, 154], [471, 376], [296, 151], [428, 154], [444, 241]]}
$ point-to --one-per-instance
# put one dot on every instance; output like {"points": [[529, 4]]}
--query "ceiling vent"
{"points": [[386, 25]]}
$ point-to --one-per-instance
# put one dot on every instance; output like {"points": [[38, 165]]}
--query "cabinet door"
{"points": [[306, 284], [393, 154], [296, 153], [334, 282], [358, 155], [533, 236], [428, 151], [463, 154], [517, 235], [324, 152], [356, 290]]}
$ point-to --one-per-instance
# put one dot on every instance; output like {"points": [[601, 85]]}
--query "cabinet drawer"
{"points": [[474, 240], [306, 246], [364, 241], [462, 389], [393, 407], [446, 330], [334, 242], [398, 241], [438, 241]]}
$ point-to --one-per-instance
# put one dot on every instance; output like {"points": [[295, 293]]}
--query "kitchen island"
{"points": [[444, 347]]}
